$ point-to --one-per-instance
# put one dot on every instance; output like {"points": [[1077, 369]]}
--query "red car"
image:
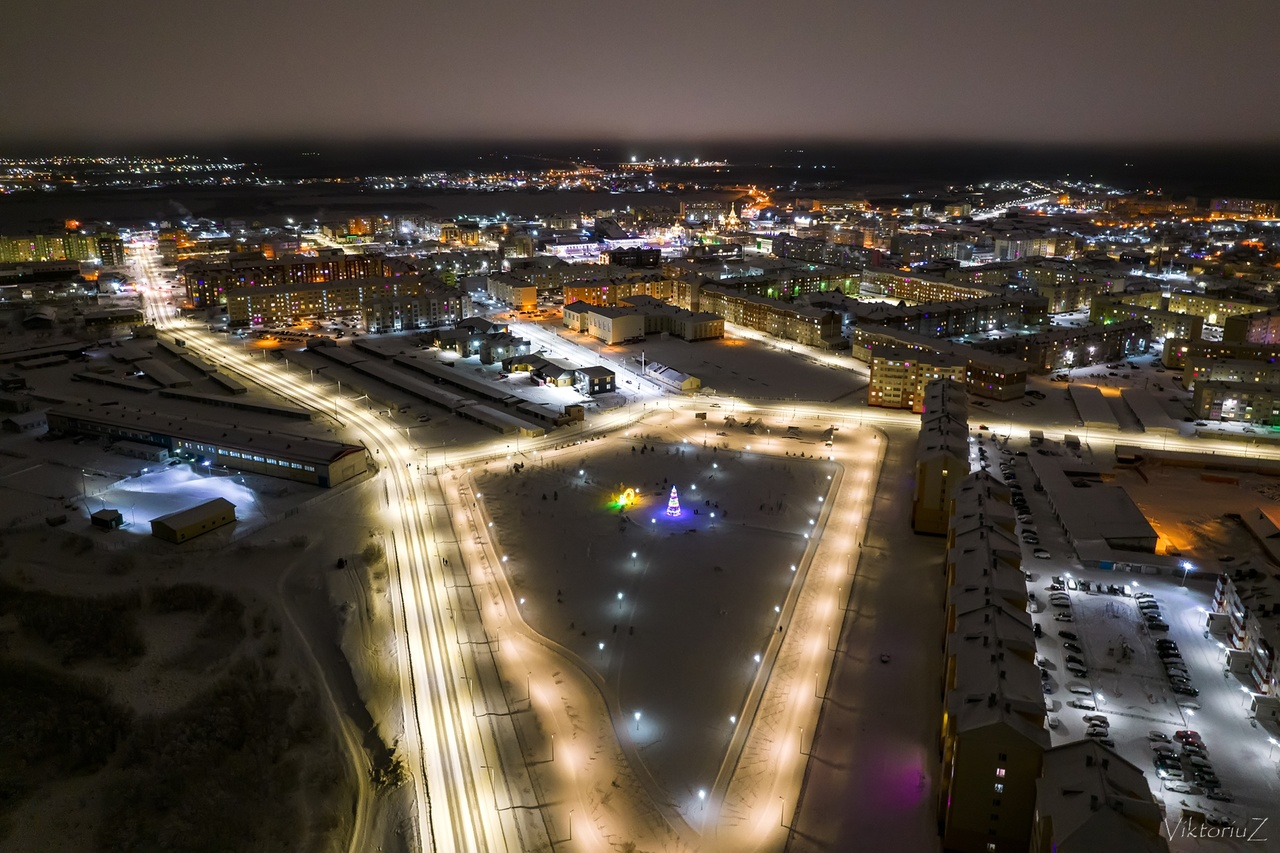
{"points": [[1187, 736]]}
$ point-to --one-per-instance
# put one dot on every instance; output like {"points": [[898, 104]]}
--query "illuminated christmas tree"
{"points": [[673, 503]]}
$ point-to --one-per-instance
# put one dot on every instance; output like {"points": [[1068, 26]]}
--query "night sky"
{"points": [[88, 72]]}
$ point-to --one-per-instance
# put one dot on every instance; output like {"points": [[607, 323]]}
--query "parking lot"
{"points": [[1129, 639]]}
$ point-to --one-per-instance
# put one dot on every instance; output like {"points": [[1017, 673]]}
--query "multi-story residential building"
{"points": [[435, 306], [1237, 401], [942, 454], [1179, 354], [48, 247], [810, 326], [514, 291], [1216, 309], [1065, 285], [1243, 208], [988, 374], [208, 285], [1165, 324], [1019, 245], [611, 290], [1203, 368], [110, 250], [1260, 327], [1090, 800], [705, 211], [896, 284], [1251, 635], [993, 736], [1067, 347], [956, 318], [899, 377], [265, 305], [815, 250]]}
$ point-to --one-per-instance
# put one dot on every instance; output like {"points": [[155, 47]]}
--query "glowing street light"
{"points": [[637, 716], [1186, 567]]}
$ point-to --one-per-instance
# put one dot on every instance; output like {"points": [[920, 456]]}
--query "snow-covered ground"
{"points": [[1125, 678], [734, 365], [683, 621]]}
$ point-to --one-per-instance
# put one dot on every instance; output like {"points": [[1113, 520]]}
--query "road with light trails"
{"points": [[456, 802]]}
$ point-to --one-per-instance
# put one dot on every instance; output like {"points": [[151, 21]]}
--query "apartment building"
{"points": [[942, 454], [896, 284], [800, 323], [260, 306], [209, 284], [899, 377]]}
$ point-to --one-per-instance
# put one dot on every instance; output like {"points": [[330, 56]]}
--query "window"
{"points": [[999, 772], [999, 787], [991, 847]]}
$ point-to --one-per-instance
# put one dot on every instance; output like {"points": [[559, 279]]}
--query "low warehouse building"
{"points": [[178, 527]]}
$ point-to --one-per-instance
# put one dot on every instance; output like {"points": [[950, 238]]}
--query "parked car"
{"points": [[1064, 617], [1179, 787], [1068, 635], [1156, 735], [1185, 690], [1097, 731], [1097, 719], [1219, 795], [1164, 749], [1072, 647], [1040, 553], [1082, 704], [1184, 735]]}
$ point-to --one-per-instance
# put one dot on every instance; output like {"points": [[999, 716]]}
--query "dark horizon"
{"points": [[1207, 169]]}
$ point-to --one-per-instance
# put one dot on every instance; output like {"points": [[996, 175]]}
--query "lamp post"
{"points": [[1186, 567]]}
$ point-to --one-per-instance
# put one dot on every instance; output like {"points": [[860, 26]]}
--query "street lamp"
{"points": [[1186, 567], [637, 716]]}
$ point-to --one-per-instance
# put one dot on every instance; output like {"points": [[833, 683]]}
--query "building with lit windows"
{"points": [[989, 375], [209, 284], [635, 317], [958, 317], [609, 291], [899, 377], [1251, 635], [1260, 327], [942, 454], [1165, 324], [400, 313], [795, 322], [511, 290], [48, 247], [1237, 401], [1216, 309], [1203, 368], [273, 453], [260, 306], [1090, 800], [1065, 347], [896, 284], [993, 735]]}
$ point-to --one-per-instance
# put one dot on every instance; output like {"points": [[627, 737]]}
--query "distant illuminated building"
{"points": [[673, 503]]}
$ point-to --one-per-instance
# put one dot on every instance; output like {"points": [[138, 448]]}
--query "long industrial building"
{"points": [[276, 454]]}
